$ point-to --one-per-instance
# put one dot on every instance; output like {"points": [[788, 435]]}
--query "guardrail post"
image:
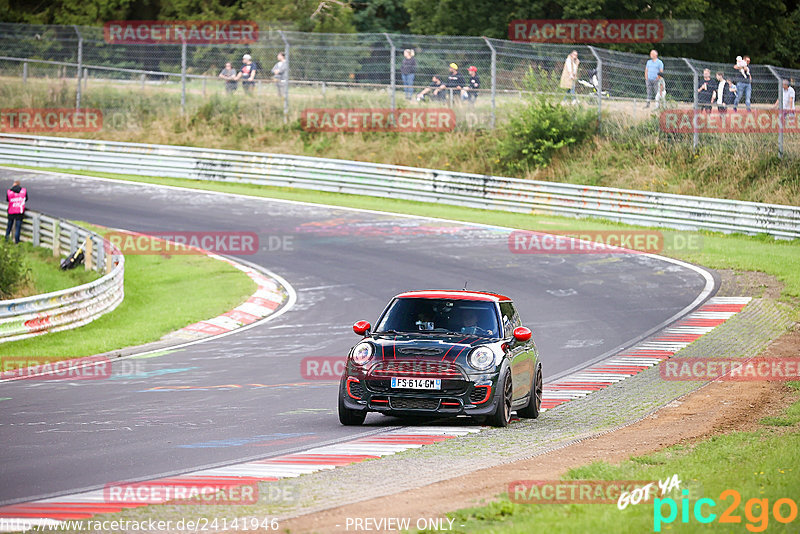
{"points": [[80, 68], [56, 238], [781, 116], [392, 68], [288, 77], [599, 88], [695, 81], [24, 72], [109, 260], [37, 234], [494, 81], [88, 254], [101, 255], [183, 77]]}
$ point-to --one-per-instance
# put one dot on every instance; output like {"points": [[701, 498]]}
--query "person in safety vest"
{"points": [[16, 198]]}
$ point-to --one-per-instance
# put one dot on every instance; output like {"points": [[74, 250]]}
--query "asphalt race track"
{"points": [[246, 396]]}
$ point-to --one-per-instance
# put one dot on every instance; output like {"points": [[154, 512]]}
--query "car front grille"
{"points": [[411, 403], [420, 351], [416, 369]]}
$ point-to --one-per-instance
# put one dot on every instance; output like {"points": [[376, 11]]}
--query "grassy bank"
{"points": [[631, 152], [44, 274], [150, 308], [758, 465]]}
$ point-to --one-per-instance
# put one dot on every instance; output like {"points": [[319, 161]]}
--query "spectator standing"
{"points": [[247, 73], [280, 73], [706, 92], [474, 83], [569, 75], [723, 95], [652, 70], [408, 71], [16, 197], [788, 98], [229, 75], [744, 83]]}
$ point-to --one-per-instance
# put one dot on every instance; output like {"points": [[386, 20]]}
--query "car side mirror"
{"points": [[361, 328], [522, 334]]}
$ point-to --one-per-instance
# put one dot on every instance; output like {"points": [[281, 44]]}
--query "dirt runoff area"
{"points": [[719, 407]]}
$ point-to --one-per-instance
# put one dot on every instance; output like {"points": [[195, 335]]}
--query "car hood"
{"points": [[416, 346]]}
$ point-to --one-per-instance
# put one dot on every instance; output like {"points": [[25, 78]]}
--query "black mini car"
{"points": [[443, 353]]}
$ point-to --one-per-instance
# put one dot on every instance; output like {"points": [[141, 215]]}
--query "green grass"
{"points": [[156, 303], [759, 465], [779, 258], [45, 275]]}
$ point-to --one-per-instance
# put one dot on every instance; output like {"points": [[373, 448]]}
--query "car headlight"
{"points": [[481, 358], [362, 353]]}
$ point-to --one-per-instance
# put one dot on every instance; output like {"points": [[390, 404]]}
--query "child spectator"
{"points": [[661, 91], [435, 89], [474, 83]]}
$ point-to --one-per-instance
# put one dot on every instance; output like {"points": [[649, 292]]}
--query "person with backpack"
{"points": [[16, 197]]}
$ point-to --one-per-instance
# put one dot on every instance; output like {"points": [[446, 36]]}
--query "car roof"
{"points": [[453, 294]]}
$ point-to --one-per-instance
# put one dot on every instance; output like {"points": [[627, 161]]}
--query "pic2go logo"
{"points": [[756, 511]]}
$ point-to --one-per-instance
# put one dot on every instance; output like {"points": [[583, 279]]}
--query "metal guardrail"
{"points": [[391, 181], [69, 308]]}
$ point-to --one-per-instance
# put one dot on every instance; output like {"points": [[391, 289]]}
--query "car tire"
{"points": [[347, 416], [502, 413], [534, 407]]}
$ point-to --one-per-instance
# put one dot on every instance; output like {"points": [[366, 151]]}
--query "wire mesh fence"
{"points": [[381, 70]]}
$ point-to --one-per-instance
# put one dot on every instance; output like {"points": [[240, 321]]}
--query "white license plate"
{"points": [[416, 383]]}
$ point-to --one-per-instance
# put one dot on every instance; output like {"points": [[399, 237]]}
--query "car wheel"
{"points": [[534, 407], [347, 416], [502, 413]]}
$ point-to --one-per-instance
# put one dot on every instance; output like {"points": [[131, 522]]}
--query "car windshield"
{"points": [[422, 315]]}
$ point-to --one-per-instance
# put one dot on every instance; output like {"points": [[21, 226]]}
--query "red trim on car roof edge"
{"points": [[453, 294]]}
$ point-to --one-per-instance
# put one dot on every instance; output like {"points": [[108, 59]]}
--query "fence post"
{"points": [[85, 78], [37, 230], [494, 82], [392, 68], [695, 80], [183, 77], [80, 67], [56, 238], [286, 47], [599, 88], [25, 72], [88, 258], [780, 111]]}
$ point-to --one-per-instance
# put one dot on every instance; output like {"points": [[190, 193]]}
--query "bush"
{"points": [[531, 138], [13, 271]]}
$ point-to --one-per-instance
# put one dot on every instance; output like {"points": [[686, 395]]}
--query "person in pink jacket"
{"points": [[16, 198]]}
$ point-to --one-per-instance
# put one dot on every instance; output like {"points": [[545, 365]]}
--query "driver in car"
{"points": [[469, 323]]}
